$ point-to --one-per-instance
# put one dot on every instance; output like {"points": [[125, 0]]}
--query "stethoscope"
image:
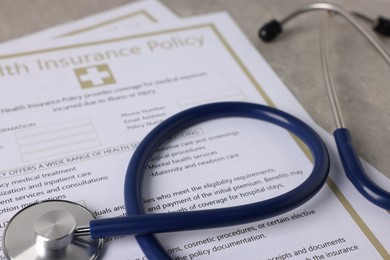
{"points": [[65, 230]]}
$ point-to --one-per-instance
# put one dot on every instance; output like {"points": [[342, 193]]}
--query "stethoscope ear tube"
{"points": [[350, 160], [355, 171]]}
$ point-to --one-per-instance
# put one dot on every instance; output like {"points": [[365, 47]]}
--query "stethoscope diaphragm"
{"points": [[49, 229]]}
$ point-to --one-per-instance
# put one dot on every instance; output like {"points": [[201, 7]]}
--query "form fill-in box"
{"points": [[57, 139], [233, 94]]}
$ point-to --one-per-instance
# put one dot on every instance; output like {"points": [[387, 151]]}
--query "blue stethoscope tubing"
{"points": [[144, 225], [355, 172]]}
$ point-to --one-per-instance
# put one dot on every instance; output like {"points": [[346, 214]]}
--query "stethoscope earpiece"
{"points": [[383, 26], [269, 31]]}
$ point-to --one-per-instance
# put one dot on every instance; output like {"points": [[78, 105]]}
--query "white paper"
{"points": [[61, 123], [130, 18]]}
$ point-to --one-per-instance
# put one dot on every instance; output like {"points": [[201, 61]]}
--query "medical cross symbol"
{"points": [[94, 76]]}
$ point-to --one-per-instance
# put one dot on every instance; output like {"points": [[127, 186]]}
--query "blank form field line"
{"points": [[56, 147], [54, 139], [233, 94], [53, 131], [57, 139]]}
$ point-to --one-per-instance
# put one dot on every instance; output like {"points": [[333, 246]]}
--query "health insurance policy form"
{"points": [[85, 107]]}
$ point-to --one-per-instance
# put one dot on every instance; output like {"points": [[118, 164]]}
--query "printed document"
{"points": [[130, 18], [73, 114]]}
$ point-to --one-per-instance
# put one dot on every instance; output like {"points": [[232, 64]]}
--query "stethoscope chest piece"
{"points": [[46, 230]]}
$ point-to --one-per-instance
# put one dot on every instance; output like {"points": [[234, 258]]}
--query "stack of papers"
{"points": [[75, 100]]}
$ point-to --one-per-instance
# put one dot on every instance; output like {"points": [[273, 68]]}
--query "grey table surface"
{"points": [[360, 74]]}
